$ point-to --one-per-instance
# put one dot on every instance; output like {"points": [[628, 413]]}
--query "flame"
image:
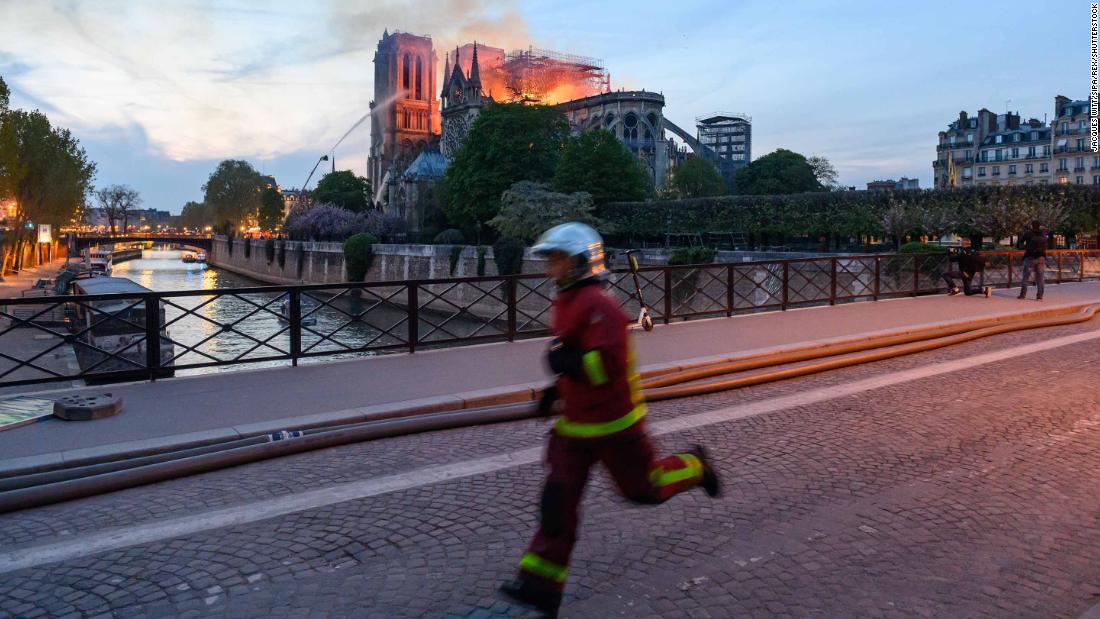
{"points": [[537, 79]]}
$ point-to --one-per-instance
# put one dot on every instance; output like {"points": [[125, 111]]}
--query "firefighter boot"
{"points": [[709, 483], [545, 599]]}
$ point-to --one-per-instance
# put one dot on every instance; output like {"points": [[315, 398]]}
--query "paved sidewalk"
{"points": [[232, 404]]}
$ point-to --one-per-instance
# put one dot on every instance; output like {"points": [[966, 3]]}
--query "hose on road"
{"points": [[37, 489]]}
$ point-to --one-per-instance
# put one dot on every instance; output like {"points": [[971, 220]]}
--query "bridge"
{"points": [[200, 241]]}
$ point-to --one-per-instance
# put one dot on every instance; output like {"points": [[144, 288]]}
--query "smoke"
{"points": [[450, 23]]}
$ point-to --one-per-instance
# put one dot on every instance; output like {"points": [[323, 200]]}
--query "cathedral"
{"points": [[414, 134]]}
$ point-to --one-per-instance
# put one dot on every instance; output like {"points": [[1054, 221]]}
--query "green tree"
{"points": [[271, 209], [597, 163], [824, 171], [507, 143], [5, 96], [780, 172], [196, 215], [233, 192], [359, 255], [45, 170], [344, 189], [529, 209], [697, 178]]}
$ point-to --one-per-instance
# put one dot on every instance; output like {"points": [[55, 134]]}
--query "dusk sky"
{"points": [[159, 91]]}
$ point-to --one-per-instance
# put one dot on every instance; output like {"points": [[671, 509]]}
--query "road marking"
{"points": [[103, 541]]}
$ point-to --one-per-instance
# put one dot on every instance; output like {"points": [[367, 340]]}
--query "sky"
{"points": [[160, 91]]}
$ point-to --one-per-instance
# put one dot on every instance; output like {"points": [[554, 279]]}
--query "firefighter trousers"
{"points": [[638, 474]]}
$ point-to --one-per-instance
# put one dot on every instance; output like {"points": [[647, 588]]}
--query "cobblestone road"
{"points": [[968, 494]]}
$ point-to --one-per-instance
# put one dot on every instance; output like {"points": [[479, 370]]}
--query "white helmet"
{"points": [[580, 242]]}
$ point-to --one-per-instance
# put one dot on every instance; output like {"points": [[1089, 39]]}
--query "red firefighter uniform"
{"points": [[602, 420]]}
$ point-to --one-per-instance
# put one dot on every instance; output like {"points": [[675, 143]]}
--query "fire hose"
{"points": [[23, 491]]}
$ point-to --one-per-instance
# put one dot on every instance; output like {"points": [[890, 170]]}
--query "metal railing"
{"points": [[116, 336]]}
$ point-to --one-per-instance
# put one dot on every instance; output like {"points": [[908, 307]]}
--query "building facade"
{"points": [[1073, 161], [1018, 154], [999, 149], [636, 117], [405, 117]]}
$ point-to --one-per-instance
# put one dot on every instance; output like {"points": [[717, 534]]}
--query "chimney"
{"points": [[1059, 103], [1013, 121], [962, 119]]}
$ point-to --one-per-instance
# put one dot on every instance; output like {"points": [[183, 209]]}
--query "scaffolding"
{"points": [[543, 76]]}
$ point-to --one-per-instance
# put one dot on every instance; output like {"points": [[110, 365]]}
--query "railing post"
{"points": [[832, 287], [786, 282], [1009, 284], [295, 318], [916, 273], [668, 294], [1080, 265], [510, 288], [729, 290], [152, 334], [878, 272], [414, 316], [1059, 267]]}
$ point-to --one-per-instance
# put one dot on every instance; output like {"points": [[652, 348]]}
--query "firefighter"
{"points": [[602, 415]]}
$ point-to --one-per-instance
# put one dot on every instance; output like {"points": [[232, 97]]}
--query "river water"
{"points": [[197, 321]]}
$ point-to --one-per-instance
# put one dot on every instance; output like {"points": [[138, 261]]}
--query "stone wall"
{"points": [[323, 263]]}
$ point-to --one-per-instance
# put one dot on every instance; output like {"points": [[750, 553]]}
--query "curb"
{"points": [[507, 394]]}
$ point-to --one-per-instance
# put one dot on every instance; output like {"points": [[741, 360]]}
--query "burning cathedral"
{"points": [[413, 134]]}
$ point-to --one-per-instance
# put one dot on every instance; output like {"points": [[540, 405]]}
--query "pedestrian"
{"points": [[1034, 244], [970, 263], [602, 415]]}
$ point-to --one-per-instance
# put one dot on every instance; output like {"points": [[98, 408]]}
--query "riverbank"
{"points": [[14, 284]]}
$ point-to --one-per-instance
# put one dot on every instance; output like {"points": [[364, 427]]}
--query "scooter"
{"points": [[644, 319]]}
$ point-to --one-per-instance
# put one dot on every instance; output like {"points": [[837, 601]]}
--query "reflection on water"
{"points": [[195, 322]]}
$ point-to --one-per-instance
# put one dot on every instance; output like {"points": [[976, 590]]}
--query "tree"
{"points": [[233, 192], [5, 96], [597, 163], [196, 215], [507, 143], [45, 170], [824, 171], [697, 178], [529, 209], [344, 189], [271, 209], [780, 172], [117, 201], [898, 220]]}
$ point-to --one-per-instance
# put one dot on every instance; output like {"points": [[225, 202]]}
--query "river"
{"points": [[195, 321]]}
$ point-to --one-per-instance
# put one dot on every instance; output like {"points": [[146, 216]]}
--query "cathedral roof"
{"points": [[428, 165]]}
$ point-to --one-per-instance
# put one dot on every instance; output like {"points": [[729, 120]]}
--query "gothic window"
{"points": [[630, 127], [405, 72], [652, 120], [608, 120], [405, 119], [419, 78]]}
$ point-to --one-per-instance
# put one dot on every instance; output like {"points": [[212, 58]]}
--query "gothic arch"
{"points": [[405, 72], [419, 78]]}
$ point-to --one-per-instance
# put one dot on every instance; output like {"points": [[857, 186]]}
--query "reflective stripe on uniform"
{"points": [[692, 469], [593, 367], [564, 427], [541, 567]]}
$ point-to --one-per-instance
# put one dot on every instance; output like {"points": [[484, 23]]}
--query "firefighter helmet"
{"points": [[580, 242]]}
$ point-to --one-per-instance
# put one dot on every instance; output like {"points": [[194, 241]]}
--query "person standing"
{"points": [[602, 415], [1034, 244]]}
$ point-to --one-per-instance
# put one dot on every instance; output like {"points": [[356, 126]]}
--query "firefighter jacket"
{"points": [[598, 380]]}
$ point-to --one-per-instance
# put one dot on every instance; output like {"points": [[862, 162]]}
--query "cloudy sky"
{"points": [[159, 91]]}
